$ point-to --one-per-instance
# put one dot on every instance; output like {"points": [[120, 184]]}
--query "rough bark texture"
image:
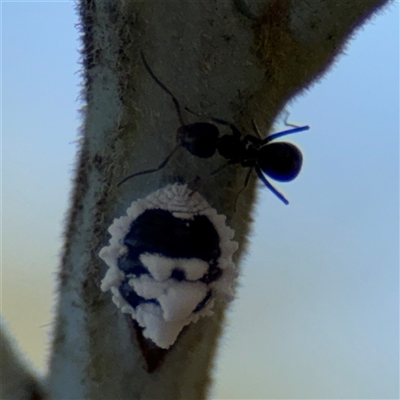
{"points": [[206, 52]]}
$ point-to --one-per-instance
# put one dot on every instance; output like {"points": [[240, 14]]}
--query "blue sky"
{"points": [[317, 308]]}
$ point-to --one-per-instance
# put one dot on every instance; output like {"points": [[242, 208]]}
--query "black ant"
{"points": [[281, 161]]}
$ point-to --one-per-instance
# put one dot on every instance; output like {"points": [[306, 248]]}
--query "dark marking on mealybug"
{"points": [[132, 297], [201, 305], [158, 231]]}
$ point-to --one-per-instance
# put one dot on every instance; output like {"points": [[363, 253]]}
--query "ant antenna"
{"points": [[162, 86], [162, 165], [178, 110]]}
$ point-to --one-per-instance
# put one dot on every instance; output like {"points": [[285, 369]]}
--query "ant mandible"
{"points": [[280, 161]]}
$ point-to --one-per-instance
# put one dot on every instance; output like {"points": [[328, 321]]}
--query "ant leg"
{"points": [[162, 86], [162, 165], [195, 183], [255, 129], [277, 135], [197, 179], [269, 186], [270, 138], [259, 141], [285, 121], [223, 166], [246, 181], [295, 129], [235, 130]]}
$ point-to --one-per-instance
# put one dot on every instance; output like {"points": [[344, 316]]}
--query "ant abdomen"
{"points": [[281, 161]]}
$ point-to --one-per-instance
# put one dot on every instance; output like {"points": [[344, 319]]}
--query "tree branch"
{"points": [[18, 381], [205, 52]]}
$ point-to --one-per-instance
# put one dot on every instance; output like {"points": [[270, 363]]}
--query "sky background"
{"points": [[317, 313]]}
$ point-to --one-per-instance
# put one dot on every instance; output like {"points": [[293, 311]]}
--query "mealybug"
{"points": [[280, 161], [170, 260]]}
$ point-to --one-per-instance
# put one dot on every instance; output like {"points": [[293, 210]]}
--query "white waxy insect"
{"points": [[170, 260]]}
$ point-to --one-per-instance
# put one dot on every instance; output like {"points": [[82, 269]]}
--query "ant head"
{"points": [[199, 139], [281, 161]]}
